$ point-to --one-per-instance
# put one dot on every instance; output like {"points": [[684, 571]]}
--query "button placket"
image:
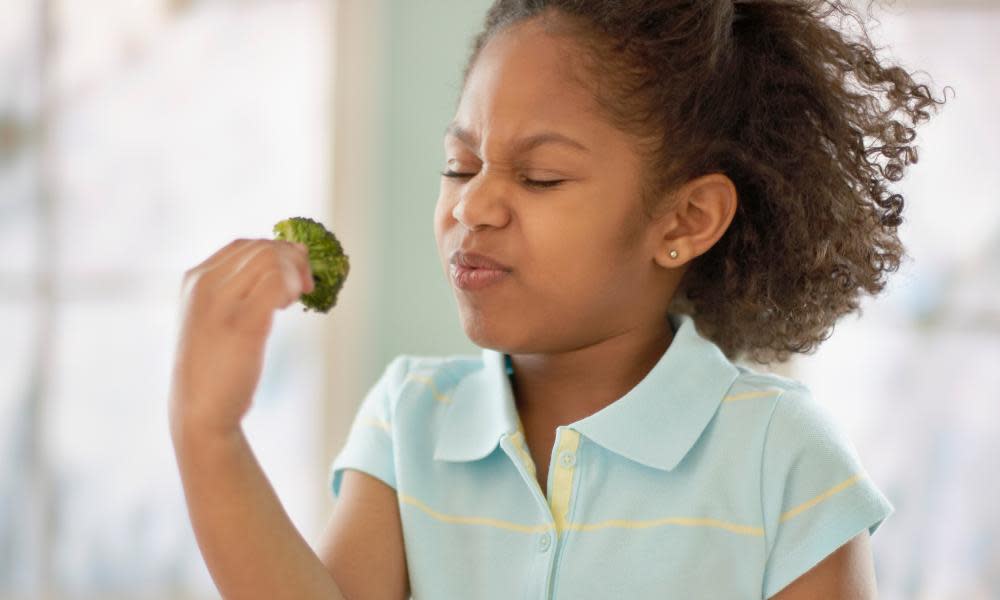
{"points": [[560, 497], [545, 542]]}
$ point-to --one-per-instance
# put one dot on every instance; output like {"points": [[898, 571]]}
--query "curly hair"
{"points": [[804, 118]]}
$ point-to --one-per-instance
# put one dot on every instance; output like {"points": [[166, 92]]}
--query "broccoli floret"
{"points": [[327, 260]]}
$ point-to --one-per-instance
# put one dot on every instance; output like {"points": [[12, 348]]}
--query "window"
{"points": [[136, 138], [920, 395]]}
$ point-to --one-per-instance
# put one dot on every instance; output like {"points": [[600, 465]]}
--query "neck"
{"points": [[567, 386]]}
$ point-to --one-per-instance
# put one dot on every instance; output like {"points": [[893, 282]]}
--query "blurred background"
{"points": [[137, 137]]}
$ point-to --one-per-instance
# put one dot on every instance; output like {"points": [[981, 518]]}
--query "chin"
{"points": [[484, 333], [493, 333]]}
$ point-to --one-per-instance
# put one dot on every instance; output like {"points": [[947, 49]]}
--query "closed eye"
{"points": [[455, 175], [529, 182]]}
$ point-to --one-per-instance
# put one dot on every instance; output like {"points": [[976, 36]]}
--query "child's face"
{"points": [[582, 267]]}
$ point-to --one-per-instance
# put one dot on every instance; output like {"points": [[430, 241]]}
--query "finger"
{"points": [[196, 275], [243, 284], [222, 254], [221, 266], [223, 271], [256, 317], [300, 259], [267, 295], [260, 250], [237, 267], [248, 261], [304, 267]]}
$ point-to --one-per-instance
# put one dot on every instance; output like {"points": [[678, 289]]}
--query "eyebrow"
{"points": [[519, 146]]}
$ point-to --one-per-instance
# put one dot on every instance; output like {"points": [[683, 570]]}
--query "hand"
{"points": [[227, 307]]}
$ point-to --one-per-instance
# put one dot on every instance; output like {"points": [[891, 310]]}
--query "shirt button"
{"points": [[567, 459], [544, 542]]}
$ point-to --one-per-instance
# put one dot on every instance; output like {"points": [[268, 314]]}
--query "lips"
{"points": [[474, 260], [471, 280], [472, 271]]}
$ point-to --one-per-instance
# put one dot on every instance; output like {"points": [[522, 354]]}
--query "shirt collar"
{"points": [[656, 423]]}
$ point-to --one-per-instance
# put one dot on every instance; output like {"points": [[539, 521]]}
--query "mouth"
{"points": [[473, 279], [475, 260]]}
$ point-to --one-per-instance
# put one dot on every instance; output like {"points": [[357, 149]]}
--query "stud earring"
{"points": [[673, 254]]}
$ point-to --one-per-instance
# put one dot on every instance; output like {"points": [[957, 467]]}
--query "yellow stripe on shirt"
{"points": [[751, 395], [377, 423], [843, 485], [685, 521], [429, 382], [463, 520], [610, 523]]}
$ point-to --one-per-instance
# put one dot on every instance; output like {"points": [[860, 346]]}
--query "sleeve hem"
{"points": [[805, 556], [337, 475]]}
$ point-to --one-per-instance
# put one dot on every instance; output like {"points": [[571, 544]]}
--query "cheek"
{"points": [[577, 260]]}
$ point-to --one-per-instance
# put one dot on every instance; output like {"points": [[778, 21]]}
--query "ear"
{"points": [[702, 210]]}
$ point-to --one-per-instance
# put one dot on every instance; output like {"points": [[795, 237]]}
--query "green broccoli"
{"points": [[327, 260]]}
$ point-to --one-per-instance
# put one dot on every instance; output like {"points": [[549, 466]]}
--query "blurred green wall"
{"points": [[426, 43]]}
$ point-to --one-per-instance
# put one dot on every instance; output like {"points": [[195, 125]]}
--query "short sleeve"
{"points": [[369, 445], [816, 495]]}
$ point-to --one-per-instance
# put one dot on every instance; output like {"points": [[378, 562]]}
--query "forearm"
{"points": [[251, 547]]}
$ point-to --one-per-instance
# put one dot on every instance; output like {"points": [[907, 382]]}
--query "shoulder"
{"points": [[412, 378], [793, 423], [815, 492], [747, 411], [798, 424], [782, 402], [750, 380], [397, 409], [788, 427]]}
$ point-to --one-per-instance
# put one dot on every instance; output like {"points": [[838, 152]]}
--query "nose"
{"points": [[481, 202]]}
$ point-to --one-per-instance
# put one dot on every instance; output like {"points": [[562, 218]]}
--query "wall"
{"points": [[427, 47]]}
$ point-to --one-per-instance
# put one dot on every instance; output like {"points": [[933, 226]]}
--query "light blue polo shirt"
{"points": [[706, 480]]}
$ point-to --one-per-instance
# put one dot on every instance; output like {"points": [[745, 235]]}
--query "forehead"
{"points": [[525, 77]]}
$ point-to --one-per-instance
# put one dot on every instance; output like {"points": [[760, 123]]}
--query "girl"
{"points": [[638, 193]]}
